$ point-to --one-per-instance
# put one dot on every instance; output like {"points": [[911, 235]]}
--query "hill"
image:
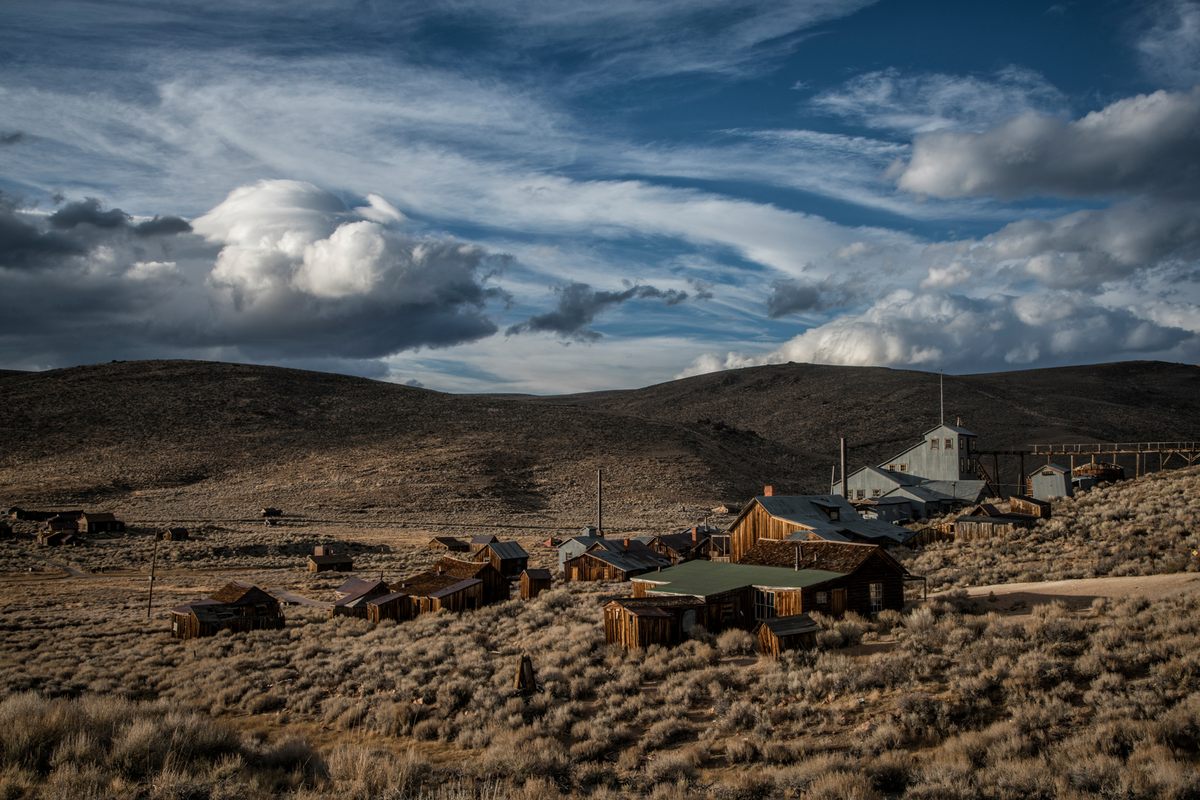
{"points": [[178, 439]]}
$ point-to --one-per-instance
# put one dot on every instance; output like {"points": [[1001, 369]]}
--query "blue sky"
{"points": [[543, 196]]}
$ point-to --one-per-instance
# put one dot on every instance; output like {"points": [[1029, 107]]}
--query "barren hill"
{"points": [[182, 439]]}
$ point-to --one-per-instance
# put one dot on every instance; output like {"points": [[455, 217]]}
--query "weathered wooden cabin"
{"points": [[778, 634], [426, 593], [480, 539], [509, 558], [354, 604], [638, 622], [613, 560], [100, 522], [175, 534], [787, 578], [814, 517], [496, 587], [236, 607], [329, 558], [969, 529], [683, 545], [534, 582], [449, 544], [1029, 506]]}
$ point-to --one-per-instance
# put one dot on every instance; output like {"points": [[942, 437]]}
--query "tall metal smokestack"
{"points": [[599, 502], [845, 483]]}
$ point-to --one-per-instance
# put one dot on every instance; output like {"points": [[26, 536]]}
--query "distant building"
{"points": [[102, 522], [235, 607], [175, 534], [1050, 481], [684, 545], [426, 593], [449, 544], [496, 587], [509, 558], [814, 517], [534, 582], [613, 560], [327, 558], [354, 604]]}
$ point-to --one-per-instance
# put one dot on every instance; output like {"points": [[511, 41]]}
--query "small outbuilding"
{"points": [[1029, 506], [426, 593], [968, 529], [684, 545], [51, 538], [509, 558], [496, 587], [1050, 481], [778, 634], [449, 544], [534, 582], [638, 622], [355, 603], [329, 558]]}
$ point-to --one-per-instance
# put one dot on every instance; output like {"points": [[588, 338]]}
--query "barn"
{"points": [[786, 633], [638, 622], [237, 607], [534, 582], [613, 560], [496, 588], [449, 544], [425, 593], [509, 558], [354, 604], [100, 522]]}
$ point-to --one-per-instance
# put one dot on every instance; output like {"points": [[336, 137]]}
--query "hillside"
{"points": [[213, 441]]}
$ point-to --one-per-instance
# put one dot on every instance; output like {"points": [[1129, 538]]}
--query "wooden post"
{"points": [[526, 682], [153, 565]]}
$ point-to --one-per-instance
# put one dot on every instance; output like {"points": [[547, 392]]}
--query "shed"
{"points": [[496, 588], [636, 622], [1050, 481], [449, 544], [172, 535], [534, 582], [52, 538], [100, 522], [355, 603], [235, 607], [1029, 506], [509, 558], [967, 529], [786, 633], [425, 593], [330, 563]]}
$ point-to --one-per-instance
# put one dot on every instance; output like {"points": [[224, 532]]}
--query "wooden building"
{"points": [[426, 593], [534, 582], [19, 514], [355, 603], [1029, 506], [329, 558], [480, 539], [813, 517], [613, 560], [449, 544], [100, 522], [62, 523], [684, 545], [509, 558], [53, 538], [235, 607], [1050, 481], [969, 529], [496, 588], [786, 633], [633, 622], [172, 535]]}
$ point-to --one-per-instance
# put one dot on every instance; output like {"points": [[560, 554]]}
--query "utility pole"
{"points": [[153, 566], [599, 502]]}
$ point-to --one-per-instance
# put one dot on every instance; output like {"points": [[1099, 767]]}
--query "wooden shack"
{"points": [[969, 529], [355, 603], [613, 560], [172, 535], [426, 593], [449, 544], [496, 588], [1029, 506], [786, 633], [52, 538], [509, 558], [812, 517], [100, 522], [329, 558], [683, 545], [534, 582], [633, 622], [235, 607]]}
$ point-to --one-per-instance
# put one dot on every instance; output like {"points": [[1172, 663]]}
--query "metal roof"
{"points": [[339, 559], [811, 513], [793, 625], [956, 428], [507, 550], [637, 556], [369, 592], [541, 574], [707, 578]]}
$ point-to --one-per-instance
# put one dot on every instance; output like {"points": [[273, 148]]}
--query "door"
{"points": [[837, 602]]}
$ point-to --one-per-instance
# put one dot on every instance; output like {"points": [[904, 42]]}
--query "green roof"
{"points": [[706, 578]]}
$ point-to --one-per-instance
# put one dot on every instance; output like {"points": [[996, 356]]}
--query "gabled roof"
{"points": [[708, 578], [967, 491], [792, 626], [505, 551], [483, 538], [682, 541], [98, 516], [352, 585], [238, 593], [461, 568], [372, 590], [539, 574], [430, 584], [955, 428], [449, 541], [1061, 470], [810, 513], [637, 556]]}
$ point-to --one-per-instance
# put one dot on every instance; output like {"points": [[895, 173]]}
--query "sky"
{"points": [[554, 196]]}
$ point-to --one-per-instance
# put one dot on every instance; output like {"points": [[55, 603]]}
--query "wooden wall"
{"points": [[629, 630], [757, 524], [588, 568], [858, 591], [532, 587]]}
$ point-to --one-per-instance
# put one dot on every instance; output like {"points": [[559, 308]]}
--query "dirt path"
{"points": [[1020, 597]]}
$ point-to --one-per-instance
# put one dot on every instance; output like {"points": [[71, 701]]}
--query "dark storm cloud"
{"points": [[91, 211], [162, 226], [579, 303], [11, 137], [23, 244], [794, 296]]}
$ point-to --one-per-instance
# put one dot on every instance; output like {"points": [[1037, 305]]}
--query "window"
{"points": [[764, 604], [822, 598], [835, 514], [949, 444], [875, 492], [860, 493], [933, 443], [876, 597], [904, 467]]}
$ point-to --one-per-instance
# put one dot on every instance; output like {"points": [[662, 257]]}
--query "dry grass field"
{"points": [[1006, 689]]}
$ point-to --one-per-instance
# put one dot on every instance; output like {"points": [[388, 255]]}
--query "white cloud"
{"points": [[1169, 42]]}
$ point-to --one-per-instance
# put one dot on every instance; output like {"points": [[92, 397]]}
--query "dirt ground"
{"points": [[1020, 598]]}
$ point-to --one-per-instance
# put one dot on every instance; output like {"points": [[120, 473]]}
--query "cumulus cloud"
{"points": [[579, 303], [1143, 145], [279, 271], [918, 103], [956, 332], [791, 296]]}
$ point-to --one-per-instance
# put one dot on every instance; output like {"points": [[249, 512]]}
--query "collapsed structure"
{"points": [[235, 607]]}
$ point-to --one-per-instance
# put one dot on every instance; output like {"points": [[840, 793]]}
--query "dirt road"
{"points": [[1018, 597]]}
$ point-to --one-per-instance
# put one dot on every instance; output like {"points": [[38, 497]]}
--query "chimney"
{"points": [[627, 544], [768, 491], [695, 534], [845, 483]]}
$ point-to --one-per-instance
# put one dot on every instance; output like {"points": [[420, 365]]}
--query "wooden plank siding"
{"points": [[757, 524], [586, 567]]}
